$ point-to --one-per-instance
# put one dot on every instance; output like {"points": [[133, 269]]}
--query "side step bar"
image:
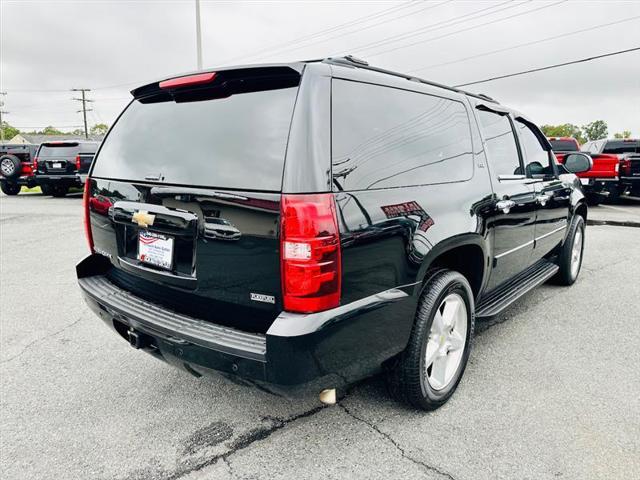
{"points": [[510, 291]]}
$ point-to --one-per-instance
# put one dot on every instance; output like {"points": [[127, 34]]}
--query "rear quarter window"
{"points": [[384, 137]]}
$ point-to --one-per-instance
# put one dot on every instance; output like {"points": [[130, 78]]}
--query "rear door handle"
{"points": [[505, 205]]}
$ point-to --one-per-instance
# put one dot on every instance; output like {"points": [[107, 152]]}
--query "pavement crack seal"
{"points": [[41, 339], [375, 428], [243, 441]]}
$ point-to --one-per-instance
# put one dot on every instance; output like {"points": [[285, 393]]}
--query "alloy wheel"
{"points": [[576, 253], [447, 339]]}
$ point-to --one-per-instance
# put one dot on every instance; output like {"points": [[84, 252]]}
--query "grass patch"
{"points": [[35, 189]]}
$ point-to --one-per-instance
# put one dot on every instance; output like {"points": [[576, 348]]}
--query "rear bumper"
{"points": [[27, 180], [61, 180], [297, 353]]}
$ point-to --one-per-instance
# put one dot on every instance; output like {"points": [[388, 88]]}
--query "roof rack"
{"points": [[350, 60]]}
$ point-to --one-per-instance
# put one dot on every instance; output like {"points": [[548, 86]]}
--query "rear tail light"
{"points": [[189, 80], [87, 218], [310, 253], [77, 162], [625, 167], [35, 163]]}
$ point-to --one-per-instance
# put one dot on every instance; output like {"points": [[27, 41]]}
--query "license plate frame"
{"points": [[155, 249], [56, 165]]}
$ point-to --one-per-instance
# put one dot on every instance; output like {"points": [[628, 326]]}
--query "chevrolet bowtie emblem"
{"points": [[143, 219]]}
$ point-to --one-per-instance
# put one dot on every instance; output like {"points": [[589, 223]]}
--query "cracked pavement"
{"points": [[552, 389]]}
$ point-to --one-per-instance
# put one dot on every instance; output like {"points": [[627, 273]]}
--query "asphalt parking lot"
{"points": [[552, 389]]}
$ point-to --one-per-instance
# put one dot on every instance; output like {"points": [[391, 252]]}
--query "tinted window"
{"points": [[384, 137], [233, 142], [58, 151], [536, 158], [563, 146], [622, 146], [499, 143]]}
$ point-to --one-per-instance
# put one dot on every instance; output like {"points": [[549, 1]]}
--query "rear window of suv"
{"points": [[622, 146], [563, 146], [233, 142], [63, 150]]}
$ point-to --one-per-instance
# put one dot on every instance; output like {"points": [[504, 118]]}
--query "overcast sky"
{"points": [[48, 47]]}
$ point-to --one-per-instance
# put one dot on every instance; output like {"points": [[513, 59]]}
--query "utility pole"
{"points": [[2, 112], [198, 36], [84, 110]]}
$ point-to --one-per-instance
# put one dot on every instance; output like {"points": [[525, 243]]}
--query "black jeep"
{"points": [[330, 220], [59, 165], [16, 167]]}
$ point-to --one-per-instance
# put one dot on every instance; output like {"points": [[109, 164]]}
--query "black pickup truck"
{"points": [[330, 220], [16, 167], [62, 165]]}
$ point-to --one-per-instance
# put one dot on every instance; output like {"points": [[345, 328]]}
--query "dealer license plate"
{"points": [[57, 165], [584, 181], [155, 249]]}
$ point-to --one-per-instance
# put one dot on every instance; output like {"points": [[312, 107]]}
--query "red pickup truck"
{"points": [[603, 180]]}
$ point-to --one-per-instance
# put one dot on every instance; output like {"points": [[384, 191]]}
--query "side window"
{"points": [[536, 158], [499, 144], [384, 137]]}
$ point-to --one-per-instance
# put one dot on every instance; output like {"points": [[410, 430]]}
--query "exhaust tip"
{"points": [[328, 396]]}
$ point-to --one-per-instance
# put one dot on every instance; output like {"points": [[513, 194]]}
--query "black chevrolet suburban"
{"points": [[59, 165], [331, 220]]}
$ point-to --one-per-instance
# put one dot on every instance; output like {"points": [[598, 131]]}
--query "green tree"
{"points": [[99, 129], [595, 130], [8, 132], [51, 131], [564, 130], [78, 132], [624, 134]]}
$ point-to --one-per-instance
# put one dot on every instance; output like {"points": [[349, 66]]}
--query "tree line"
{"points": [[596, 130], [9, 132]]}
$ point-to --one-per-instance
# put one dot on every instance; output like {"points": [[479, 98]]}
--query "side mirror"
{"points": [[578, 162]]}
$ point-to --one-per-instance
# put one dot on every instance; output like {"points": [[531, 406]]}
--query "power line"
{"points": [[373, 25], [526, 44], [473, 27], [435, 26], [310, 36], [84, 110], [549, 67], [2, 112]]}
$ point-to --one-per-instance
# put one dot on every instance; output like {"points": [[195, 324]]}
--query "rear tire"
{"points": [[570, 260], [59, 191], [46, 189], [428, 371], [10, 188], [10, 166]]}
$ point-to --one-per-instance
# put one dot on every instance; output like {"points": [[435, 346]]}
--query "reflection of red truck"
{"points": [[605, 179]]}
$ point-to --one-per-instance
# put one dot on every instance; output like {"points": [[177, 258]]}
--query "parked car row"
{"points": [[616, 166], [54, 166]]}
